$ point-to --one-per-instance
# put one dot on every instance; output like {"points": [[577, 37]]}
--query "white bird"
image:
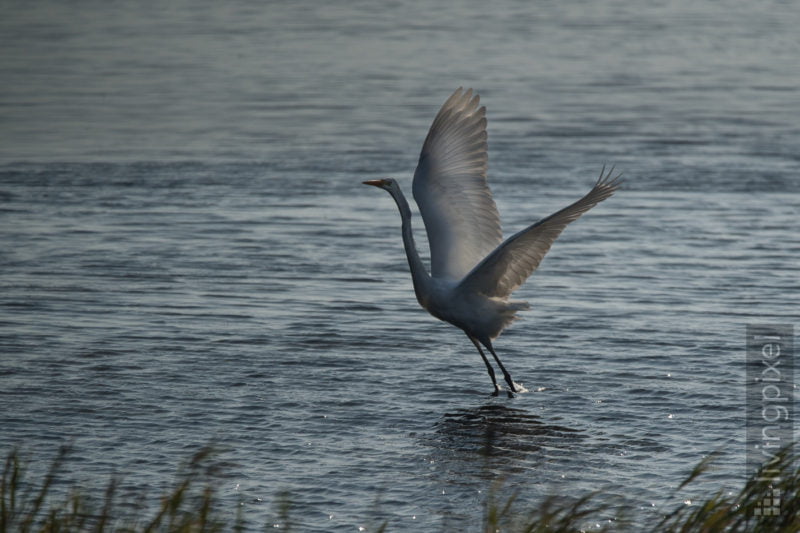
{"points": [[473, 272]]}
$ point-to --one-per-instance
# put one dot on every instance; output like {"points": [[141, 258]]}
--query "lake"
{"points": [[188, 255]]}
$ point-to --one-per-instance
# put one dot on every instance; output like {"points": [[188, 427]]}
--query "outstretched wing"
{"points": [[451, 191], [510, 264]]}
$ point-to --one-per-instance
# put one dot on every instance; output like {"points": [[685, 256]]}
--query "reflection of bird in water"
{"points": [[473, 272], [497, 430]]}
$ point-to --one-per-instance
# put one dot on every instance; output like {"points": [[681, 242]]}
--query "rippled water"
{"points": [[187, 253]]}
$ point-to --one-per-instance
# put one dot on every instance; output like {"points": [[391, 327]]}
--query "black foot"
{"points": [[496, 392], [510, 394]]}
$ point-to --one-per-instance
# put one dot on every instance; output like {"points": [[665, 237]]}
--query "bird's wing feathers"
{"points": [[510, 264], [450, 188]]}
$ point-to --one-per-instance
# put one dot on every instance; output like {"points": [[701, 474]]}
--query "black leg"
{"points": [[506, 375], [488, 366]]}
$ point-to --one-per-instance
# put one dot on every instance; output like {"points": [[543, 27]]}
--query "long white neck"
{"points": [[419, 275]]}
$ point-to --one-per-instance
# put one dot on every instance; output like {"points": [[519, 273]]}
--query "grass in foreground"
{"points": [[188, 507], [192, 505], [769, 502]]}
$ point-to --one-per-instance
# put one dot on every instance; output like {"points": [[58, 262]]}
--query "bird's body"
{"points": [[473, 272], [483, 316]]}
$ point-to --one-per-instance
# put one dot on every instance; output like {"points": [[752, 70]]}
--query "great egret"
{"points": [[472, 273]]}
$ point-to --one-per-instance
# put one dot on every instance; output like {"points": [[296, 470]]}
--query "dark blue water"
{"points": [[187, 253]]}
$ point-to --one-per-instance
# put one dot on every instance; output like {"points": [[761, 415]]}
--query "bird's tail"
{"points": [[508, 310]]}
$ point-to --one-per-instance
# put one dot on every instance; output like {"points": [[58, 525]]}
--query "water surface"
{"points": [[187, 253]]}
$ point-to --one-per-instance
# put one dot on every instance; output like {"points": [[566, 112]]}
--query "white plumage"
{"points": [[451, 191], [473, 272]]}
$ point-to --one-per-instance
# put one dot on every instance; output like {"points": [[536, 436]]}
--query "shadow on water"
{"points": [[497, 439]]}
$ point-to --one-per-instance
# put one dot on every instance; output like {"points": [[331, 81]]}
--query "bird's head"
{"points": [[386, 184]]}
